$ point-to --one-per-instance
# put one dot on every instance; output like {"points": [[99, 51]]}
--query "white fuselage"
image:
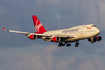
{"points": [[79, 32], [62, 36]]}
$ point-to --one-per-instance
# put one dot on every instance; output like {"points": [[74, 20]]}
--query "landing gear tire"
{"points": [[76, 44], [67, 45], [61, 44]]}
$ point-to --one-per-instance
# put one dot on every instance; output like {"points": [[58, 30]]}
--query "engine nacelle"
{"points": [[56, 39], [32, 37], [92, 40], [99, 38]]}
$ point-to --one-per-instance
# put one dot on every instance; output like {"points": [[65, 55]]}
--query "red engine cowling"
{"points": [[56, 39], [32, 37], [99, 38]]}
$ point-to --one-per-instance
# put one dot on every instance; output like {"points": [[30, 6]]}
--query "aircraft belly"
{"points": [[72, 39]]}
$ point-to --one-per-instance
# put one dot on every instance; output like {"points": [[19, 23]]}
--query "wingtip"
{"points": [[3, 28]]}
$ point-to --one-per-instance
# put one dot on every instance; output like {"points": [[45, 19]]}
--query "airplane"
{"points": [[63, 36]]}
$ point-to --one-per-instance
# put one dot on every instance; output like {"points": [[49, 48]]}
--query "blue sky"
{"points": [[17, 52]]}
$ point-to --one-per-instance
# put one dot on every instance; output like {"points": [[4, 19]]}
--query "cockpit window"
{"points": [[93, 26]]}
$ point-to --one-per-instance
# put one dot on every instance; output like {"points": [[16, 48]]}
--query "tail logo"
{"points": [[89, 28], [37, 26]]}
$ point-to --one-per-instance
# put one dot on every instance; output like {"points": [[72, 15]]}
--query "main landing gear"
{"points": [[67, 44], [61, 44], [76, 45]]}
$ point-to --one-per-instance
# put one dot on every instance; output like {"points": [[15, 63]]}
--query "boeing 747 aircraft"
{"points": [[63, 36]]}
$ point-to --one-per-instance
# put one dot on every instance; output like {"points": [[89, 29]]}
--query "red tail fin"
{"points": [[37, 24]]}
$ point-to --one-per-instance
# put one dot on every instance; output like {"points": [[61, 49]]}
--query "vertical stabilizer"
{"points": [[37, 24]]}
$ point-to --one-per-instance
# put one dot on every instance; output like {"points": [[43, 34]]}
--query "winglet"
{"points": [[3, 28]]}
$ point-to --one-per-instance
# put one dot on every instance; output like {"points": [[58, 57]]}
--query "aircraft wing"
{"points": [[66, 36], [58, 35], [20, 32], [15, 31]]}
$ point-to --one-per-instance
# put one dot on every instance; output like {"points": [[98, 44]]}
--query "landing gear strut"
{"points": [[76, 45]]}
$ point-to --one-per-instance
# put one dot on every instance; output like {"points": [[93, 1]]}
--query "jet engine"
{"points": [[99, 38], [92, 40], [56, 39], [32, 37]]}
